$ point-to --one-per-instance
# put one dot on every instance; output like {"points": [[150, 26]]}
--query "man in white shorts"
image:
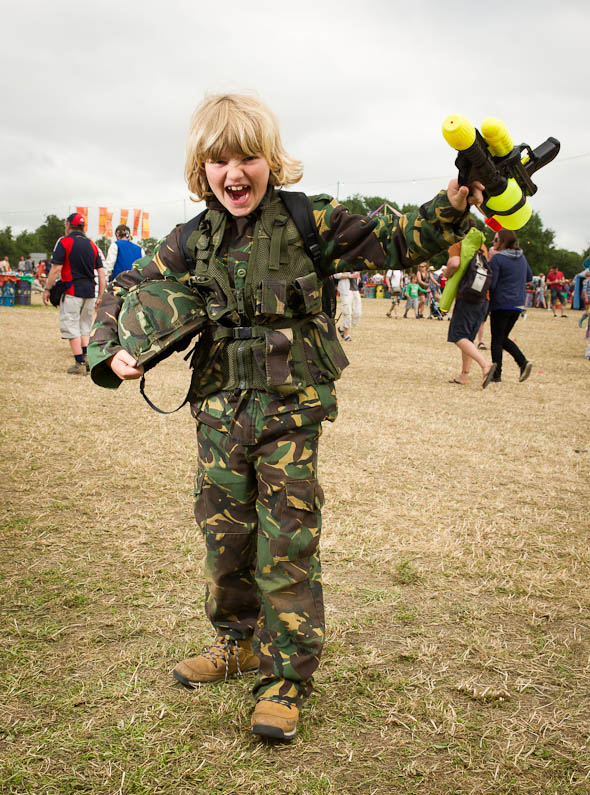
{"points": [[74, 261]]}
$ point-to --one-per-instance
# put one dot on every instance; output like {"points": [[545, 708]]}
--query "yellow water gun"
{"points": [[504, 169]]}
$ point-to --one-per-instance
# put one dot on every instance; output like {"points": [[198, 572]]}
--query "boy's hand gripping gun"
{"points": [[504, 169]]}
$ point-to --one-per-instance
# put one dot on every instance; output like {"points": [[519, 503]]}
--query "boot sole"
{"points": [[190, 684], [262, 730]]}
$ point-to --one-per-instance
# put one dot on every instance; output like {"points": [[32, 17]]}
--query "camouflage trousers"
{"points": [[258, 506]]}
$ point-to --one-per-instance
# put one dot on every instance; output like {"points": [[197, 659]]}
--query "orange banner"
{"points": [[102, 220], [145, 226], [83, 211], [136, 217], [124, 216], [108, 224]]}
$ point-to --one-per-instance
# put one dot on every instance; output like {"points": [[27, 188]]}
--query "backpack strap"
{"points": [[187, 230], [299, 208]]}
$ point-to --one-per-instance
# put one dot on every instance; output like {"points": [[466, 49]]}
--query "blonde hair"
{"points": [[235, 123]]}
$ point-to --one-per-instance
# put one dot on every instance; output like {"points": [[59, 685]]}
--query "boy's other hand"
{"points": [[125, 366], [461, 195]]}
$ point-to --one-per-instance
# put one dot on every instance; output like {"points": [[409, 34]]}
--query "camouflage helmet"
{"points": [[158, 318]]}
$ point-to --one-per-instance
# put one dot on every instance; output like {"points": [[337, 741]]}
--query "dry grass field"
{"points": [[456, 566]]}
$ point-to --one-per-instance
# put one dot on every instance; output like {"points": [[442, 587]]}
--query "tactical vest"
{"points": [[268, 331]]}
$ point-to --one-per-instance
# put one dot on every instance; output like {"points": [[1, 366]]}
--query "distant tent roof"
{"points": [[387, 206]]}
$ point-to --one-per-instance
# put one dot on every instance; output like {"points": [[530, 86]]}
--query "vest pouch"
{"points": [[271, 297], [323, 353], [309, 294], [275, 361], [206, 364], [212, 293]]}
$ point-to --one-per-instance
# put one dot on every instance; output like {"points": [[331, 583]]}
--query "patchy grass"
{"points": [[456, 568]]}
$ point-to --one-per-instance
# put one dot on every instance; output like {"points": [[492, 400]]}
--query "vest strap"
{"points": [[277, 247], [239, 333]]}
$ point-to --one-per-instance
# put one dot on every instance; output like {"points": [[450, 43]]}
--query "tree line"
{"points": [[44, 238], [536, 240]]}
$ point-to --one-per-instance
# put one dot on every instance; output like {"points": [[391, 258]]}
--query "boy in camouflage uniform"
{"points": [[263, 382]]}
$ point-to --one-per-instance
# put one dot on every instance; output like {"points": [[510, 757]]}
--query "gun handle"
{"points": [[543, 154]]}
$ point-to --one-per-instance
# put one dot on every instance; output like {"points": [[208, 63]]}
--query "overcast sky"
{"points": [[96, 96]]}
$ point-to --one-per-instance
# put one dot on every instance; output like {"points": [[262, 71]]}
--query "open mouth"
{"points": [[238, 193]]}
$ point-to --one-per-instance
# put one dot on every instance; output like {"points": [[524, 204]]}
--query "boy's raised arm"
{"points": [[355, 242]]}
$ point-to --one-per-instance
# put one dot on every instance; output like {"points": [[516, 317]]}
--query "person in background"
{"points": [[350, 301], [511, 272], [467, 319], [585, 292], [74, 261], [41, 275], [555, 283], [585, 318], [422, 282], [540, 292], [393, 282], [413, 290], [434, 290], [122, 253], [4, 265]]}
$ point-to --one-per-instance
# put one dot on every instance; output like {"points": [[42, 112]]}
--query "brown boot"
{"points": [[275, 720], [225, 658]]}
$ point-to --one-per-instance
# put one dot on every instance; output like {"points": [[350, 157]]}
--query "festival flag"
{"points": [[145, 226], [136, 216], [108, 223], [83, 211], [124, 217], [102, 220]]}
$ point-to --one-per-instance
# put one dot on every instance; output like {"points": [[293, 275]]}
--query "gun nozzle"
{"points": [[458, 132], [497, 137]]}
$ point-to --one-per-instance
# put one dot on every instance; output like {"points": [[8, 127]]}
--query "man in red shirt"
{"points": [[555, 283], [75, 260]]}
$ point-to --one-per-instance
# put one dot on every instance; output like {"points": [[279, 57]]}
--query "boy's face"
{"points": [[239, 181]]}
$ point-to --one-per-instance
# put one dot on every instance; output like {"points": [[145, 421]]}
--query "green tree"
{"points": [[148, 245], [7, 245], [25, 243], [103, 243], [50, 232], [537, 244], [568, 262]]}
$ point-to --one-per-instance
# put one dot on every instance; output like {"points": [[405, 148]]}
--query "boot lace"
{"points": [[222, 650]]}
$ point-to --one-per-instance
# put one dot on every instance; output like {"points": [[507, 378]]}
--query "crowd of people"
{"points": [[513, 289], [552, 291]]}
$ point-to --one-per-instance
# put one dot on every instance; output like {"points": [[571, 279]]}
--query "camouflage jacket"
{"points": [[348, 242]]}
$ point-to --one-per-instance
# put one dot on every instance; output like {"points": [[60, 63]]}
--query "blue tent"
{"points": [[577, 303]]}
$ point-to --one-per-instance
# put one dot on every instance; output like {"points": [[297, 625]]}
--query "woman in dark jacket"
{"points": [[507, 296]]}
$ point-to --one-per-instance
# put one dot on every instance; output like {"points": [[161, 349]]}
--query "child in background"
{"points": [[413, 290]]}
